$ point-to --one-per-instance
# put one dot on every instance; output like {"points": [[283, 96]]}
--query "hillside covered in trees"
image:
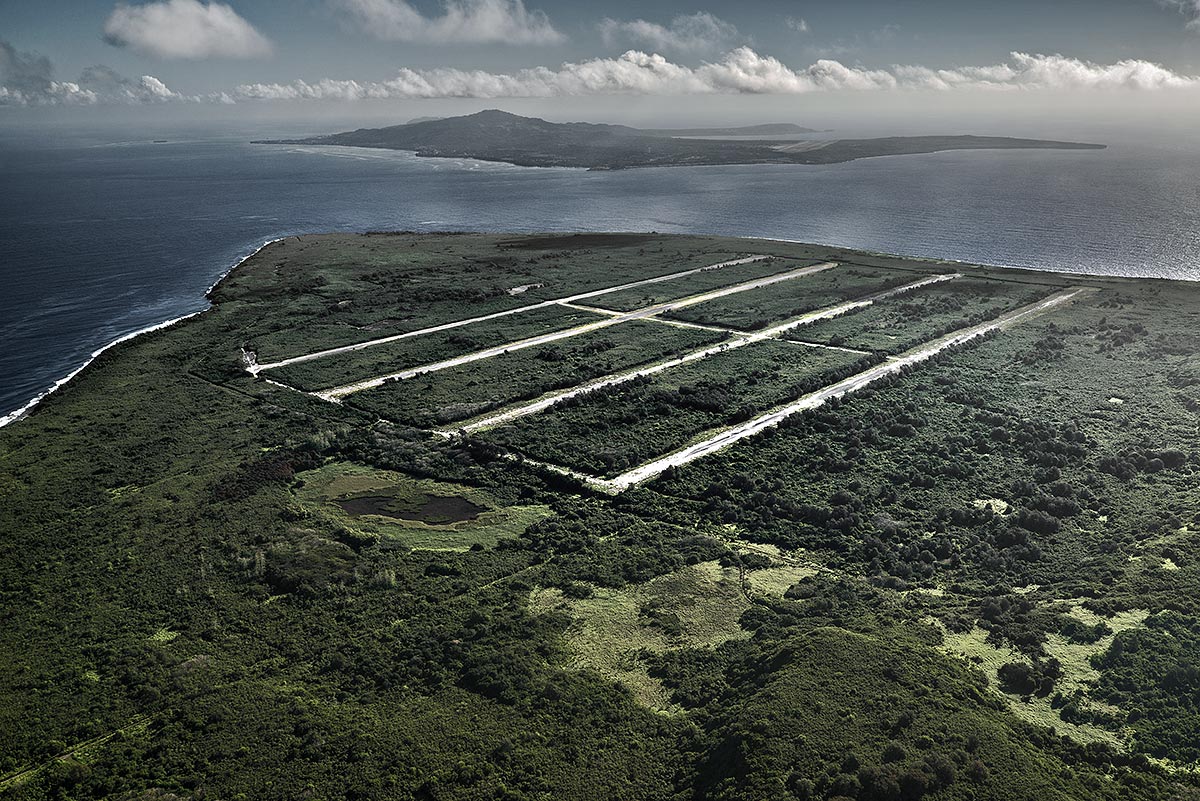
{"points": [[328, 540]]}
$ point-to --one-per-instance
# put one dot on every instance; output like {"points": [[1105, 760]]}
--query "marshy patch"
{"points": [[435, 510], [366, 505]]}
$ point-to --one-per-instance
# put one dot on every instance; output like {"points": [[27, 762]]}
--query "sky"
{"points": [[614, 54]]}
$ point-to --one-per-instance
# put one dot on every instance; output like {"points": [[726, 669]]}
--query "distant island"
{"points": [[530, 142]]}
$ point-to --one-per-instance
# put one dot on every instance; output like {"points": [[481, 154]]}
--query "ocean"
{"points": [[103, 235]]}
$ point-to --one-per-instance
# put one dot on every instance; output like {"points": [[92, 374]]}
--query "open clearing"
{"points": [[698, 606], [1078, 679], [420, 514]]}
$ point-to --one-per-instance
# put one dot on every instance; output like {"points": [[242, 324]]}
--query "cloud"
{"points": [[462, 21], [27, 79], [1049, 72], [740, 71], [184, 29], [691, 32], [798, 24], [1189, 8], [110, 87]]}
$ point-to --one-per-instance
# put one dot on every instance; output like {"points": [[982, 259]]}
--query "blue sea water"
{"points": [[103, 235]]}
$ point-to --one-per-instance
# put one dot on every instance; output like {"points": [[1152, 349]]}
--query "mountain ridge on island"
{"points": [[494, 135]]}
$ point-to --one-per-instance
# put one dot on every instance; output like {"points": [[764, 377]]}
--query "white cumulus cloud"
{"points": [[1026, 71], [110, 87], [740, 71], [185, 29], [461, 21], [689, 32], [798, 24], [27, 79]]}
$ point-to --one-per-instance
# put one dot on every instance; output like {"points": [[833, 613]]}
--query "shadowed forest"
{"points": [[974, 578]]}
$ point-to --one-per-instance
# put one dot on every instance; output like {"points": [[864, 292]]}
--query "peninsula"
{"points": [[613, 516], [530, 142]]}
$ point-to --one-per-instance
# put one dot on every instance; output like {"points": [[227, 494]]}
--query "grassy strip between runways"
{"points": [[904, 321], [345, 368], [461, 392], [616, 428], [758, 308], [651, 294]]}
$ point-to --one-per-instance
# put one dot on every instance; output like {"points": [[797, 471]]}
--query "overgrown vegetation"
{"points": [[895, 324], [188, 612], [615, 428], [758, 308], [458, 393]]}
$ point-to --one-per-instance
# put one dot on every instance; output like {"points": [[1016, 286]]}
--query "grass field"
{"points": [[458, 393], [1078, 680], [696, 607], [612, 429], [321, 489]]}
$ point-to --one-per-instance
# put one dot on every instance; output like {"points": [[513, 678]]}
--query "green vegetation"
{"points": [[612, 429], [901, 322], [401, 510], [758, 308], [1153, 673], [309, 293], [393, 357], [974, 581], [652, 294], [457, 393], [620, 629]]}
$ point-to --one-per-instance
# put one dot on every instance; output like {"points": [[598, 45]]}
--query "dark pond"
{"points": [[435, 509]]}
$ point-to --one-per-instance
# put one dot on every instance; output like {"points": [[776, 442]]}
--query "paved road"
{"points": [[337, 393], [546, 401], [254, 368], [729, 436]]}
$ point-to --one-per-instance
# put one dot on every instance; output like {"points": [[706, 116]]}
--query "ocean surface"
{"points": [[103, 235]]}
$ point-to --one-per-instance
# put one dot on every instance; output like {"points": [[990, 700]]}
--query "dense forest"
{"points": [[974, 579]]}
